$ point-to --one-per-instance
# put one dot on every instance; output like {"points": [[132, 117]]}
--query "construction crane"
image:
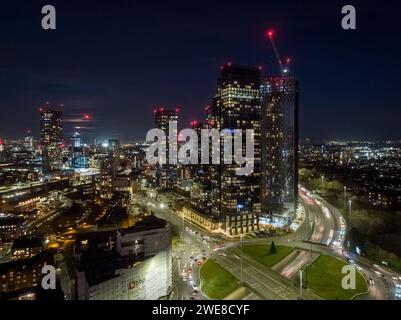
{"points": [[284, 68]]}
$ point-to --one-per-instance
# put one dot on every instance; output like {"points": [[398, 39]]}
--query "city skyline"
{"points": [[105, 77], [224, 151]]}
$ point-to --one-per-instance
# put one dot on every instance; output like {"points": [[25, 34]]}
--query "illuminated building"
{"points": [[28, 141], [51, 135], [23, 274], [11, 227], [24, 248], [107, 175], [236, 199], [201, 188], [114, 145], [133, 264], [279, 143], [167, 175], [3, 157], [77, 153]]}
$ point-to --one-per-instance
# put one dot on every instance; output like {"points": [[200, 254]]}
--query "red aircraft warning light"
{"points": [[270, 33]]}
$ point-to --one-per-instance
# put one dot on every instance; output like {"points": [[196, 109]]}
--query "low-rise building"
{"points": [[133, 264]]}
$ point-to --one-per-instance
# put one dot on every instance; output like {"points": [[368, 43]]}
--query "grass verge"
{"points": [[261, 253], [217, 282], [324, 277]]}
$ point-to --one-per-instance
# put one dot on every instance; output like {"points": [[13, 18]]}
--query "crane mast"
{"points": [[284, 68]]}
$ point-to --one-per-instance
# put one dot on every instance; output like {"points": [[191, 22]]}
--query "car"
{"points": [[194, 293], [195, 287], [377, 272], [371, 281]]}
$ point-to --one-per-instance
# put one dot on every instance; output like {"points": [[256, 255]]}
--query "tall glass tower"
{"points": [[236, 105], [51, 136], [279, 143], [167, 175]]}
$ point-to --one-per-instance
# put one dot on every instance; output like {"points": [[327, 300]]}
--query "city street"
{"points": [[320, 233]]}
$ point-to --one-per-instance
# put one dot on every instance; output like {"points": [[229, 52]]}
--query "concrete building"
{"points": [[133, 264]]}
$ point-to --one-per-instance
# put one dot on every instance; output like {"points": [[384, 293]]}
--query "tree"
{"points": [[273, 248]]}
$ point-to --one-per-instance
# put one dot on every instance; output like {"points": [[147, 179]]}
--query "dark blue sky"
{"points": [[119, 59]]}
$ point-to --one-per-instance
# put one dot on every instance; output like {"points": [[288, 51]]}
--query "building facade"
{"points": [[236, 105], [279, 143], [136, 265], [167, 174], [51, 136]]}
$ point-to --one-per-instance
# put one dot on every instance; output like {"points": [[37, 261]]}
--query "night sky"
{"points": [[118, 60]]}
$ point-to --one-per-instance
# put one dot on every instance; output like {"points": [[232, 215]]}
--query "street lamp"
{"points": [[350, 212], [300, 283], [242, 253]]}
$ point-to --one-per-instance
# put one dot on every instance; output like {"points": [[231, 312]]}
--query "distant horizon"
{"points": [[152, 54], [103, 139]]}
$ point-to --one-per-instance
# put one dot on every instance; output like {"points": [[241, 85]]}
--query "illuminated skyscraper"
{"points": [[279, 143], [201, 188], [51, 134], [2, 151], [167, 174], [77, 153], [107, 177], [114, 146], [236, 199]]}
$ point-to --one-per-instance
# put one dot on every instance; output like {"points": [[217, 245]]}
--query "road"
{"points": [[195, 245], [322, 232]]}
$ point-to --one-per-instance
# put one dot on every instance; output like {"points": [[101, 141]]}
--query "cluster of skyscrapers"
{"points": [[242, 204]]}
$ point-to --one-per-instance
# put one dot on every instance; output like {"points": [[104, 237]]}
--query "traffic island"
{"points": [[324, 278], [264, 254], [217, 282]]}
